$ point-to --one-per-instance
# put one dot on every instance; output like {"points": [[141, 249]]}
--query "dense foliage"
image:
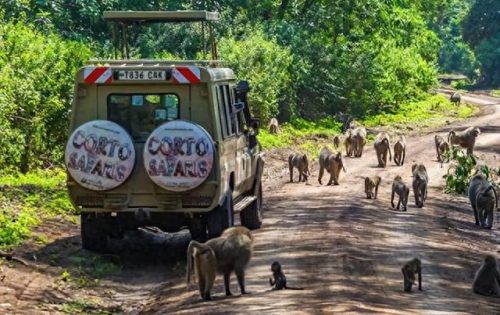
{"points": [[36, 86], [304, 59], [481, 30]]}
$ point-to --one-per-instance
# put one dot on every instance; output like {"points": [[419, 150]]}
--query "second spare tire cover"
{"points": [[100, 155], [179, 155]]}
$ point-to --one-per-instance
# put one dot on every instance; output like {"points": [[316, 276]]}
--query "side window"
{"points": [[140, 114], [229, 106], [225, 110], [222, 111]]}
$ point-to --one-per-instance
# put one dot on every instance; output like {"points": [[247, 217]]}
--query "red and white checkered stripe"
{"points": [[186, 75], [97, 75]]}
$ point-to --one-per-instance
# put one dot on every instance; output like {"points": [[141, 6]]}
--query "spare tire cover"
{"points": [[179, 155], [100, 155]]}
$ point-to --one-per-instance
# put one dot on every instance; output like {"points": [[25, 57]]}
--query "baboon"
{"points": [[205, 264], [233, 250], [410, 270], [441, 147], [371, 184], [333, 163], [456, 98], [466, 139], [358, 141], [483, 199], [487, 278], [400, 151], [300, 162], [348, 142], [336, 141], [382, 145], [279, 280], [420, 181], [400, 188], [274, 126]]}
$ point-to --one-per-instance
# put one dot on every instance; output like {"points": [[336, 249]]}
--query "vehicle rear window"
{"points": [[140, 114]]}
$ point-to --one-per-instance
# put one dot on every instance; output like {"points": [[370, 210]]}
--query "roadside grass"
{"points": [[308, 137], [495, 93], [26, 200], [85, 306]]}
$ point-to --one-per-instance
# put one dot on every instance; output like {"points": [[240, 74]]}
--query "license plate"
{"points": [[142, 75]]}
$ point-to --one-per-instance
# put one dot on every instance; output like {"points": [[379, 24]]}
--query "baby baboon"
{"points": [[336, 141], [205, 264], [410, 270], [279, 279], [487, 278], [441, 147], [420, 180], [400, 151], [333, 163], [466, 139], [456, 98], [233, 250], [348, 142], [371, 184], [274, 126], [358, 141], [400, 188], [382, 145], [300, 162], [483, 199]]}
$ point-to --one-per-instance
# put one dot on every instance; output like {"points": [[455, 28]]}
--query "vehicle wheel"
{"points": [[221, 217], [198, 229], [95, 229], [251, 217]]}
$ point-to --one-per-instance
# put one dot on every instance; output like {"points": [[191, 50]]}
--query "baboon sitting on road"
{"points": [[274, 126], [487, 278], [279, 279], [336, 141]]}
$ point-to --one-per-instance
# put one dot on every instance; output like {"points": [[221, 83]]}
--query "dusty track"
{"points": [[345, 250]]}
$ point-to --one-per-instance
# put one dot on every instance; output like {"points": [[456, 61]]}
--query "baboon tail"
{"points": [[494, 193], [450, 134], [192, 245], [389, 147], [293, 288]]}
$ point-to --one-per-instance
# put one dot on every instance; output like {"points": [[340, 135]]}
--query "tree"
{"points": [[481, 30]]}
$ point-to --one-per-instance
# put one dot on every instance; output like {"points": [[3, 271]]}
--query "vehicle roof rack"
{"points": [[160, 16]]}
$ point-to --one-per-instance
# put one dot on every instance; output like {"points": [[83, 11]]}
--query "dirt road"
{"points": [[346, 251]]}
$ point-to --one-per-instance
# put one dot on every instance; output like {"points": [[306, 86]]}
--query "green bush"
{"points": [[462, 168], [265, 64], [36, 86]]}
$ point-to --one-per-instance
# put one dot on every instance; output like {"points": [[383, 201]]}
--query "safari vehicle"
{"points": [[170, 144]]}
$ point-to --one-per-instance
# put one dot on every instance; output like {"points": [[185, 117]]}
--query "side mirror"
{"points": [[243, 87], [238, 107]]}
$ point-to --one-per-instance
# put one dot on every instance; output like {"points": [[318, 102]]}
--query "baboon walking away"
{"points": [[233, 250]]}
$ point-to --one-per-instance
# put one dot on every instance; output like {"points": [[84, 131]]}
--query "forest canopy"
{"points": [[308, 59]]}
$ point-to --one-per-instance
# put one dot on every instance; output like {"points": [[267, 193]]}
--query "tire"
{"points": [[221, 217], [198, 229], [95, 229], [251, 217]]}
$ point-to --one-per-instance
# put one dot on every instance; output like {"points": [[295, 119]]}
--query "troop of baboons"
{"points": [[233, 249]]}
